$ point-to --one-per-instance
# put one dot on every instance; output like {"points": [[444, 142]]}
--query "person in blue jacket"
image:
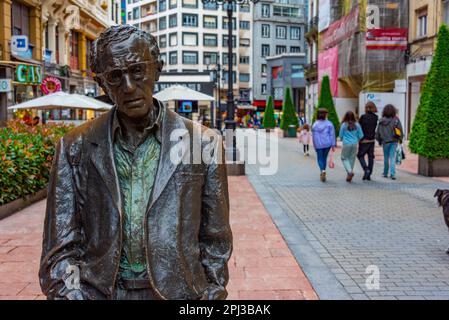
{"points": [[323, 136], [350, 134]]}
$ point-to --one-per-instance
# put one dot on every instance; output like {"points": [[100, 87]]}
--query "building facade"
{"points": [[193, 37], [279, 27], [426, 16], [311, 72], [60, 34]]}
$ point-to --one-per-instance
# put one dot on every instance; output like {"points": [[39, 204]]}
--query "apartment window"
{"points": [[173, 39], [211, 56], [225, 6], [135, 13], [265, 50], [164, 58], [210, 6], [285, 12], [163, 23], [173, 4], [73, 41], [281, 49], [295, 33], [244, 8], [265, 31], [225, 59], [297, 71], [163, 41], [421, 23], [244, 42], [281, 32], [244, 60], [172, 20], [189, 20], [244, 77], [225, 77], [446, 12], [173, 57], [189, 39], [162, 5], [263, 88], [225, 41], [190, 3], [244, 25], [295, 49], [210, 40], [263, 69], [20, 19], [210, 22], [265, 10], [190, 57], [130, 15], [225, 23]]}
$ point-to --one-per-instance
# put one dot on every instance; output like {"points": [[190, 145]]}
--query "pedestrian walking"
{"points": [[305, 137], [389, 133], [368, 122], [323, 135], [350, 134]]}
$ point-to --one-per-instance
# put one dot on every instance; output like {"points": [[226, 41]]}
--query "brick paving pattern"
{"points": [[395, 225], [261, 267]]}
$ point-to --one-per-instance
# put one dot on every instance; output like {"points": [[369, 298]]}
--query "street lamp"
{"points": [[229, 122]]}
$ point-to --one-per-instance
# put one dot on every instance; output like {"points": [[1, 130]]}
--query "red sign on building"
{"points": [[387, 39]]}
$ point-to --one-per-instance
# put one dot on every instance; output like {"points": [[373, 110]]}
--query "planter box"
{"points": [[290, 133], [19, 204], [433, 168]]}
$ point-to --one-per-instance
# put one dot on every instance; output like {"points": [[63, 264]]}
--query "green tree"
{"points": [[325, 101], [268, 119], [430, 131], [289, 116]]}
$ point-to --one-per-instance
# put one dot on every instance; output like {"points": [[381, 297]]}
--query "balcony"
{"points": [[311, 72], [312, 29]]}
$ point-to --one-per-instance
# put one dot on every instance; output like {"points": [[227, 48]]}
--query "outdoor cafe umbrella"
{"points": [[182, 93], [60, 100]]}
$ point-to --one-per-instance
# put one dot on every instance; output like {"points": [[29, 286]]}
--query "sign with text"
{"points": [[328, 65], [19, 43], [28, 74], [5, 85], [387, 39], [340, 30]]}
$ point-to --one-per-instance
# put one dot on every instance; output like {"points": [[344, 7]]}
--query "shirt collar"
{"points": [[154, 127]]}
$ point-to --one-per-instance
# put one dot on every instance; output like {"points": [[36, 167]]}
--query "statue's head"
{"points": [[126, 63]]}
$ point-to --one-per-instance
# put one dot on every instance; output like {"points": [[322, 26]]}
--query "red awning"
{"points": [[262, 103]]}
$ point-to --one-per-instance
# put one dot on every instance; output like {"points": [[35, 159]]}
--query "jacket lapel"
{"points": [[102, 156], [171, 124]]}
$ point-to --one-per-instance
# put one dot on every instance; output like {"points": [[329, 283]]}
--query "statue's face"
{"points": [[128, 77]]}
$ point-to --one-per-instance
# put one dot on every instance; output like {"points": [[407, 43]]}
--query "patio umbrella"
{"points": [[182, 93], [63, 100]]}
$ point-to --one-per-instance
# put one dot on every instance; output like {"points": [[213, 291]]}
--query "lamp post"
{"points": [[207, 62], [230, 125]]}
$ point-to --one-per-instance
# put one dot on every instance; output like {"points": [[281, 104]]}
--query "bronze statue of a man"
{"points": [[123, 220]]}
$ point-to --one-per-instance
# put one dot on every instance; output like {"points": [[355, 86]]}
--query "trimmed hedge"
{"points": [[430, 131], [326, 101], [26, 155], [289, 116], [268, 119]]}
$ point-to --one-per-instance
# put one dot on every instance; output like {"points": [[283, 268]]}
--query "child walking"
{"points": [[350, 134], [305, 137]]}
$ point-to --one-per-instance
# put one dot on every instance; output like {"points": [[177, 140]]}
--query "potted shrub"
{"points": [[269, 122], [430, 131], [289, 119]]}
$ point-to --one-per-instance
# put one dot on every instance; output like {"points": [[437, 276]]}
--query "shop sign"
{"points": [[50, 85], [387, 39], [340, 30], [5, 85], [28, 74], [19, 43]]}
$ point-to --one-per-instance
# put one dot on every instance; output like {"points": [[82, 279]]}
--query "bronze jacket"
{"points": [[188, 236]]}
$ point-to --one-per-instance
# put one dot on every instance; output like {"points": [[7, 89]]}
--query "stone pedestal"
{"points": [[433, 168]]}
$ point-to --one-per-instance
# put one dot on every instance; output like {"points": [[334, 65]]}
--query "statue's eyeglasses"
{"points": [[137, 71]]}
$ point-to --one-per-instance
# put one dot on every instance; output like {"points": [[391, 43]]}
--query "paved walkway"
{"points": [[261, 267], [336, 230]]}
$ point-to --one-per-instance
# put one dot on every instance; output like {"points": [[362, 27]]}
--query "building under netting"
{"points": [[363, 48]]}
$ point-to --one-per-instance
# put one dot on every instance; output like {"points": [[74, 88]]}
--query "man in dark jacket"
{"points": [[368, 122], [126, 218]]}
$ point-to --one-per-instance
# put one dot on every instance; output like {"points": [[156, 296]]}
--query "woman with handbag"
{"points": [[323, 135], [389, 134]]}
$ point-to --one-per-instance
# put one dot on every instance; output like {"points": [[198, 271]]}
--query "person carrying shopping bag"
{"points": [[389, 134], [350, 134], [323, 136]]}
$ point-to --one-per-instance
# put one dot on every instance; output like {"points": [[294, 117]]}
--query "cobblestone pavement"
{"points": [[336, 230], [261, 266]]}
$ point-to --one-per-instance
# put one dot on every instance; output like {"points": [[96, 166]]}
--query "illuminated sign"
{"points": [[50, 85], [29, 74]]}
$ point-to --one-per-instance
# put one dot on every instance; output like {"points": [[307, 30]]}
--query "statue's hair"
{"points": [[117, 34]]}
